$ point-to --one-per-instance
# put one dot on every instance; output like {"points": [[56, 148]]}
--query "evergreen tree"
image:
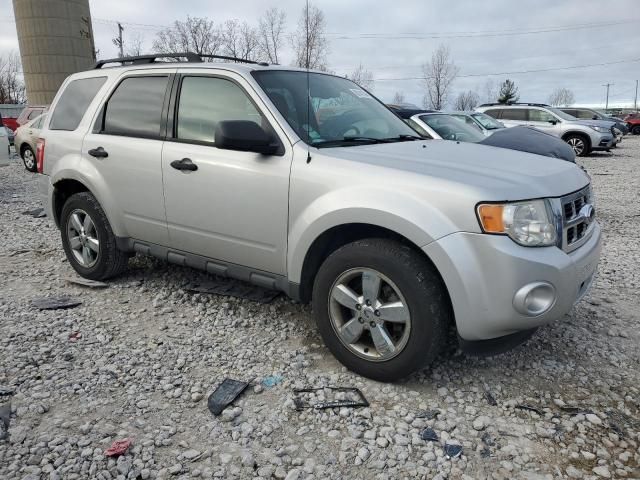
{"points": [[508, 92]]}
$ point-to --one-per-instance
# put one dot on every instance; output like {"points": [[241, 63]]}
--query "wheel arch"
{"points": [[583, 135]]}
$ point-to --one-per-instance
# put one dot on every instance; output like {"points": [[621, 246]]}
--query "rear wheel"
{"points": [[88, 240], [579, 144], [381, 308], [28, 158], [636, 130]]}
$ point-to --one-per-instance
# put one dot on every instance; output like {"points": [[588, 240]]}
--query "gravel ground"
{"points": [[138, 360]]}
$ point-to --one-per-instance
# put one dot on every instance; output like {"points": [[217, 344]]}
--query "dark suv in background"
{"points": [[590, 114]]}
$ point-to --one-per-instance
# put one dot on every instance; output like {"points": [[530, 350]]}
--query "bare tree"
{"points": [[562, 97], [239, 40], [195, 34], [133, 46], [11, 85], [398, 98], [270, 34], [309, 43], [491, 91], [467, 100], [439, 75], [362, 77]]}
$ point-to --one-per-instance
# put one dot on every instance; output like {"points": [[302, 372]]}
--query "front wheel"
{"points": [[88, 240], [381, 308], [636, 130], [579, 144]]}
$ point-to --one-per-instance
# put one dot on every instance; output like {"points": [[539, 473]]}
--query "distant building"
{"points": [[56, 40]]}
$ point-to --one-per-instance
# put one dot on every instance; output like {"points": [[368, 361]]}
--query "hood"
{"points": [[495, 173]]}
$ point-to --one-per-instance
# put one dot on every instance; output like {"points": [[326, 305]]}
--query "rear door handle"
{"points": [[98, 152], [184, 164]]}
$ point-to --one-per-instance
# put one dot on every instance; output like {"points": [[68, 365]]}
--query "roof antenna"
{"points": [[307, 61]]}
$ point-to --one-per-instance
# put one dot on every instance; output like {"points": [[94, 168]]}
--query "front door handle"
{"points": [[98, 152], [184, 164]]}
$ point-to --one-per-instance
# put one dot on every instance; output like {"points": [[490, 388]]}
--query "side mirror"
{"points": [[553, 122], [595, 117], [244, 136]]}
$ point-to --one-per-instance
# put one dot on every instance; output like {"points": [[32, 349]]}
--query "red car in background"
{"points": [[9, 114], [633, 120]]}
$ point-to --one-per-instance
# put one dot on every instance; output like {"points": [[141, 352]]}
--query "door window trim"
{"points": [[174, 104], [98, 127]]}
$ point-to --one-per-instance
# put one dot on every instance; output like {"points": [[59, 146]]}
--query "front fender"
{"points": [[400, 212]]}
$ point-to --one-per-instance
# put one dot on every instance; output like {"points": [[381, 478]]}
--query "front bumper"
{"points": [[483, 273], [602, 141]]}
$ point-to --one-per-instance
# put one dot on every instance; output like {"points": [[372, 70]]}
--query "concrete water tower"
{"points": [[56, 40]]}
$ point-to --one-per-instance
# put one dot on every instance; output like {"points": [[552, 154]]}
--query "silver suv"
{"points": [[584, 136], [304, 182]]}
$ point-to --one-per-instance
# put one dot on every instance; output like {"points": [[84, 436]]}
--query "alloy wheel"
{"points": [[83, 238], [577, 144], [29, 159], [369, 314]]}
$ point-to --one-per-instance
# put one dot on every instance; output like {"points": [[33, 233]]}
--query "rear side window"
{"points": [[514, 114], [74, 102], [135, 107], [33, 114], [494, 112]]}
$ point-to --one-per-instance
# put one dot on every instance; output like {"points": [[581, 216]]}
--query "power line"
{"points": [[517, 72]]}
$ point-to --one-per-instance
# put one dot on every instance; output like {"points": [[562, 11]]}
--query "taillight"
{"points": [[40, 155]]}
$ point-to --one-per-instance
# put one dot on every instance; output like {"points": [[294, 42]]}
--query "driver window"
{"points": [[205, 101], [541, 116]]}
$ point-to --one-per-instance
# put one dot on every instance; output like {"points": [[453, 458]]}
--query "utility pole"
{"points": [[635, 102], [607, 104], [118, 42]]}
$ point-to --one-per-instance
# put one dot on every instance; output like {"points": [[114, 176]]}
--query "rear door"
{"points": [[234, 207], [513, 117], [125, 147]]}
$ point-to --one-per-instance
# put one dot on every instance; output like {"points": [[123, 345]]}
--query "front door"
{"points": [[545, 121], [126, 149], [234, 207]]}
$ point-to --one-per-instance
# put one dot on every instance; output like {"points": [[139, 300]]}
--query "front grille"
{"points": [[576, 220]]}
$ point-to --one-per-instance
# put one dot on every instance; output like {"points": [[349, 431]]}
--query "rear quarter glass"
{"points": [[73, 103]]}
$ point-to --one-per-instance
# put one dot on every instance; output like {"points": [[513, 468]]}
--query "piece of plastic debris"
{"points": [[452, 450], [428, 414], [530, 408], [272, 381], [55, 303], [36, 213], [225, 394], [429, 435], [491, 400], [357, 398], [234, 289], [5, 391], [85, 282], [119, 447], [75, 336], [5, 414], [572, 410]]}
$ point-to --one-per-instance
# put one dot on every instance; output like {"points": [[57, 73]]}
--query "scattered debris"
{"points": [[428, 414], [55, 303], [117, 448], [225, 394], [487, 440], [5, 414], [572, 410], [491, 400], [5, 391], [530, 408], [85, 282], [272, 381], [75, 336], [18, 252], [356, 399], [234, 289], [429, 435], [36, 213], [452, 450]]}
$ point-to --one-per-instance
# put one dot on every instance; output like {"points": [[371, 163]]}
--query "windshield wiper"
{"points": [[357, 140], [405, 138]]}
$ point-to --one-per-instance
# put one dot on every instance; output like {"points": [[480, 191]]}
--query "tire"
{"points": [[108, 261], [28, 158], [636, 130], [421, 291], [579, 144]]}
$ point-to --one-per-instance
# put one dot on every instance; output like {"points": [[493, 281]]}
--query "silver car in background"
{"points": [[25, 141], [483, 122]]}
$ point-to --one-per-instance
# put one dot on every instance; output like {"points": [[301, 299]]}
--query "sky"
{"points": [[393, 39]]}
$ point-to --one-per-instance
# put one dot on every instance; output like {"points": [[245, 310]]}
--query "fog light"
{"points": [[535, 299]]}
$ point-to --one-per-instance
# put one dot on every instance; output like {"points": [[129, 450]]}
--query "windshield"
{"points": [[452, 128], [339, 112], [486, 121], [561, 114]]}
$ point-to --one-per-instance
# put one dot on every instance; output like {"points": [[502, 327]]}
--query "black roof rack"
{"points": [[153, 58], [514, 103]]}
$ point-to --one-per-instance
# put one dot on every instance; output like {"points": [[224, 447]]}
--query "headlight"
{"points": [[601, 129], [528, 223]]}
